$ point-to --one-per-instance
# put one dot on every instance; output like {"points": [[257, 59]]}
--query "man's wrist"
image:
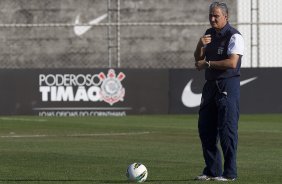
{"points": [[208, 64]]}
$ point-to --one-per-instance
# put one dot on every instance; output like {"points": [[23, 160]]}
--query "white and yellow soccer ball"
{"points": [[137, 172]]}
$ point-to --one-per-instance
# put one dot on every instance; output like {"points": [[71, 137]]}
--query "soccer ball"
{"points": [[137, 172]]}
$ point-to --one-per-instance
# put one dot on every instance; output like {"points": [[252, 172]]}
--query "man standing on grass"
{"points": [[219, 53]]}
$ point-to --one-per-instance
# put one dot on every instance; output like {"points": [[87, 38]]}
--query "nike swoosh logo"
{"points": [[80, 30], [242, 83], [191, 99]]}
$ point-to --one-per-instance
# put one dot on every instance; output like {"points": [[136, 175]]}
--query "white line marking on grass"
{"points": [[22, 119], [75, 135]]}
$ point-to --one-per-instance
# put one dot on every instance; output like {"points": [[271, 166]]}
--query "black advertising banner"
{"points": [[121, 92], [185, 90], [261, 90], [83, 92]]}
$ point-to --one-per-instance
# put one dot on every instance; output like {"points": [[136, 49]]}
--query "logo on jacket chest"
{"points": [[220, 49]]}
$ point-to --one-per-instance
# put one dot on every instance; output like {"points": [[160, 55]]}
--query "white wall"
{"points": [[267, 39]]}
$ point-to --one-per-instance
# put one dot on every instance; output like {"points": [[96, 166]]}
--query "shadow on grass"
{"points": [[172, 180]]}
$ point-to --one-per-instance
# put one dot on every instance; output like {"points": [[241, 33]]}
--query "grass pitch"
{"points": [[99, 149]]}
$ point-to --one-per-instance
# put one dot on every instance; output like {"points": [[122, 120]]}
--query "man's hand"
{"points": [[202, 64], [199, 53], [206, 39]]}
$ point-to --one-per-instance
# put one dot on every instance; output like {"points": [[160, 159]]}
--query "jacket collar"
{"points": [[223, 30]]}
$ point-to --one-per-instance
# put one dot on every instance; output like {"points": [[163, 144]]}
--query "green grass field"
{"points": [[99, 149]]}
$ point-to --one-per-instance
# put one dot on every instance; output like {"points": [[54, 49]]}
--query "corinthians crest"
{"points": [[111, 89]]}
